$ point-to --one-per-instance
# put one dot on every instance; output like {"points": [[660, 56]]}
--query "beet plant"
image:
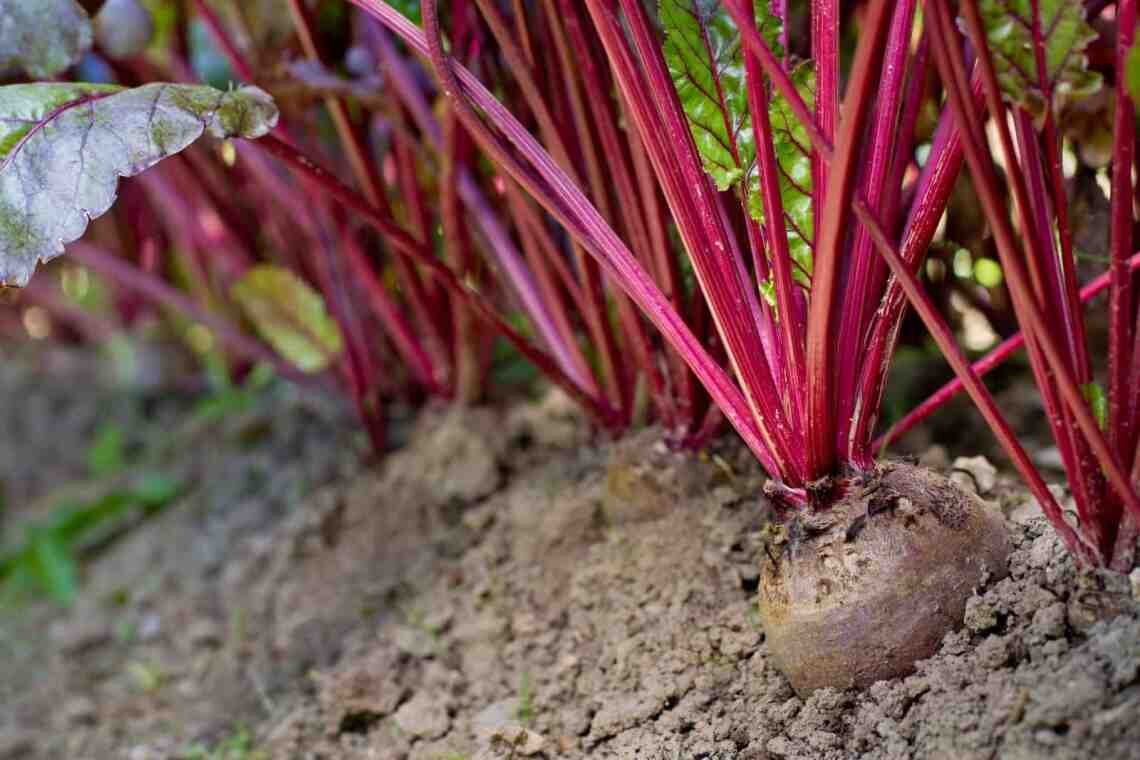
{"points": [[877, 559], [322, 291], [586, 168], [1029, 58], [438, 261], [1029, 63]]}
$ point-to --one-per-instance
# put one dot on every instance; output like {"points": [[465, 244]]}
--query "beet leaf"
{"points": [[63, 148], [1036, 62], [793, 159], [290, 315], [703, 52]]}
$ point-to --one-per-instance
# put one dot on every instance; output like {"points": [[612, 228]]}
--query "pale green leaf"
{"points": [[1132, 73], [64, 146], [290, 315], [768, 291], [1098, 402], [41, 38], [1066, 35]]}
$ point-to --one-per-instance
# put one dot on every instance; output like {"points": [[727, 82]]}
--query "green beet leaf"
{"points": [[290, 315], [793, 160], [1132, 73], [706, 62], [42, 38], [64, 146], [1098, 402], [410, 9], [1066, 34]]}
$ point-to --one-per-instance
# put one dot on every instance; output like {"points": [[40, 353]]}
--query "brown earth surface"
{"points": [[501, 586]]}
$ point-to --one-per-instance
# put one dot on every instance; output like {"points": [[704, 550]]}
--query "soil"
{"points": [[502, 586]]}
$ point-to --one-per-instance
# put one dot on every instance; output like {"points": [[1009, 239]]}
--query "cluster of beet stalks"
{"points": [[565, 248]]}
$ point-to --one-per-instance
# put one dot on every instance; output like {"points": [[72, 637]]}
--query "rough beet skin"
{"points": [[861, 591]]}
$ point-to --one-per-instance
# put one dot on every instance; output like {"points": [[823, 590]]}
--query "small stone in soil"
{"points": [[149, 627], [1049, 622], [15, 745], [725, 496], [993, 652], [423, 717], [1087, 608], [1026, 512], [975, 474], [414, 641], [980, 616], [495, 715], [203, 632], [75, 636], [520, 740], [80, 711]]}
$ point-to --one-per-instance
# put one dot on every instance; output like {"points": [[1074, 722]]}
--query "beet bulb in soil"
{"points": [[861, 591], [799, 320]]}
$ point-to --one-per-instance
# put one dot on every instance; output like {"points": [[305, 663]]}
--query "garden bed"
{"points": [[503, 586]]}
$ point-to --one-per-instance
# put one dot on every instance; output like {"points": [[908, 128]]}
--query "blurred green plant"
{"points": [[47, 562], [107, 455], [228, 398], [525, 712], [237, 746]]}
